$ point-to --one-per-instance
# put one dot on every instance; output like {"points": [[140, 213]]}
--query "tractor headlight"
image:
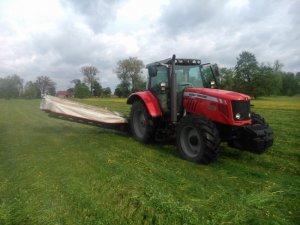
{"points": [[238, 116]]}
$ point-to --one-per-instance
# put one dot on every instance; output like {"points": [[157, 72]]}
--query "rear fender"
{"points": [[149, 100]]}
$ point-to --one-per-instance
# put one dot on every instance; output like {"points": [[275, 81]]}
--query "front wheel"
{"points": [[141, 123], [255, 138], [198, 140]]}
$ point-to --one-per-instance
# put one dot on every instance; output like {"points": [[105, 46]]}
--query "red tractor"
{"points": [[182, 101]]}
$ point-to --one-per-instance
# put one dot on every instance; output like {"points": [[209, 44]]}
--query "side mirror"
{"points": [[152, 70]]}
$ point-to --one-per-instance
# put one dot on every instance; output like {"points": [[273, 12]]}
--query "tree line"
{"points": [[12, 87], [247, 76], [129, 71], [259, 79]]}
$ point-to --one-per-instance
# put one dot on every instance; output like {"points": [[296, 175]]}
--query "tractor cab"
{"points": [[188, 73]]}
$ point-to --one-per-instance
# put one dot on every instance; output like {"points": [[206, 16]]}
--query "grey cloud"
{"points": [[211, 30], [63, 52], [181, 16], [257, 10], [293, 11], [265, 28], [97, 13], [72, 45], [59, 54], [200, 16]]}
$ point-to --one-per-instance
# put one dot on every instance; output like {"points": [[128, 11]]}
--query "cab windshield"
{"points": [[188, 76], [197, 76], [194, 76]]}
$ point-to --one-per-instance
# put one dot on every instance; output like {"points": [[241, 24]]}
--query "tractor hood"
{"points": [[217, 93], [226, 107]]}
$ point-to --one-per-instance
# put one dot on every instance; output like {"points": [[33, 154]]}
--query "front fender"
{"points": [[149, 100]]}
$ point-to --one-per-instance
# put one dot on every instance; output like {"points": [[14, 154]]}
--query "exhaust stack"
{"points": [[173, 93]]}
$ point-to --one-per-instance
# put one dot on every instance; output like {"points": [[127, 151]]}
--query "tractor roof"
{"points": [[177, 62]]}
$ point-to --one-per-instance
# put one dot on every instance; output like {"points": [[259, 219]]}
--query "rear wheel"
{"points": [[141, 123], [198, 140]]}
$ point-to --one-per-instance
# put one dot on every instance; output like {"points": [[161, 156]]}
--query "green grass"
{"points": [[58, 172]]}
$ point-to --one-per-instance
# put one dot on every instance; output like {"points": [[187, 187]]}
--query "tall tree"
{"points": [[123, 89], [89, 73], [76, 81], [246, 69], [277, 66], [227, 78], [45, 85], [290, 84], [106, 92], [31, 90], [11, 86], [130, 71], [97, 89], [267, 82], [80, 89]]}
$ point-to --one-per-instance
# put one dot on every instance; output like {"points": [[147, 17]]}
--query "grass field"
{"points": [[58, 172]]}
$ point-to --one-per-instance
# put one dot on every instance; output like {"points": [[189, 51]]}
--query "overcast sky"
{"points": [[56, 37]]}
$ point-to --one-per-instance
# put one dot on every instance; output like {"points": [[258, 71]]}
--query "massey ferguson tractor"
{"points": [[182, 101]]}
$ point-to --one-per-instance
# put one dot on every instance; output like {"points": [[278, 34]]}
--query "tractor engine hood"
{"points": [[215, 94], [221, 106]]}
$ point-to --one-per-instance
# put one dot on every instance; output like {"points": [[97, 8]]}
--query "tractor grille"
{"points": [[242, 108]]}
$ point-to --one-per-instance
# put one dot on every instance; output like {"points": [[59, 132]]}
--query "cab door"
{"points": [[159, 87]]}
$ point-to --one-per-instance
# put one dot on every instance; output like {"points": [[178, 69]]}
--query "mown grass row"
{"points": [[58, 172]]}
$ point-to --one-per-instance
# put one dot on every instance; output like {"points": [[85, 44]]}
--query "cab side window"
{"points": [[161, 77], [207, 76]]}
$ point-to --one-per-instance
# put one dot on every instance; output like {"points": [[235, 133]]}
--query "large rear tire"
{"points": [[255, 142], [197, 140], [141, 123]]}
